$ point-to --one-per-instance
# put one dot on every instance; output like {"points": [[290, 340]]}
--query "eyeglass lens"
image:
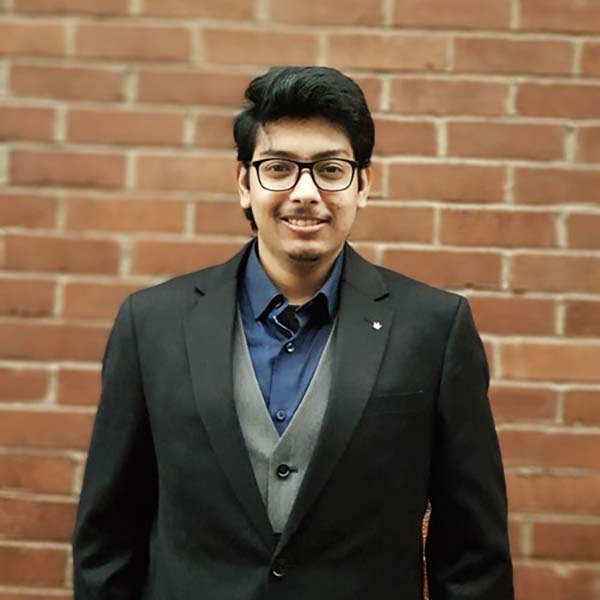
{"points": [[329, 174]]}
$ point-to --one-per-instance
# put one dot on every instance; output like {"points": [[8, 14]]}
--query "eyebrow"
{"points": [[317, 156]]}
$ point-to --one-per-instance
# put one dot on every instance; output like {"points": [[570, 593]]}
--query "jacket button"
{"points": [[283, 471], [279, 568]]}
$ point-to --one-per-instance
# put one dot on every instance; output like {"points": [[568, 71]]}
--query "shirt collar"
{"points": [[261, 291]]}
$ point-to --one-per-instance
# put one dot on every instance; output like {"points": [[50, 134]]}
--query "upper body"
{"points": [[171, 506]]}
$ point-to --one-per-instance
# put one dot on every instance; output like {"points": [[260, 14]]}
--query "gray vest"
{"points": [[279, 463]]}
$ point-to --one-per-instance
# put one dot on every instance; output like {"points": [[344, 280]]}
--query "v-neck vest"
{"points": [[279, 463]]}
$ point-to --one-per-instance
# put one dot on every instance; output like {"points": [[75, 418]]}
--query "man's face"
{"points": [[305, 224]]}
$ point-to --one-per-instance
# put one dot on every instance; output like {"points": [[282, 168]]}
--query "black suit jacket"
{"points": [[170, 509]]}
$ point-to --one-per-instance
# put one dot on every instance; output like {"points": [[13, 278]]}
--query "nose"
{"points": [[305, 189]]}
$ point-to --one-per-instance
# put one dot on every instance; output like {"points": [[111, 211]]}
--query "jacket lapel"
{"points": [[362, 332], [208, 330]]}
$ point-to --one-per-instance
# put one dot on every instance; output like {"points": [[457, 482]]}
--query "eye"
{"points": [[277, 167], [332, 169]]}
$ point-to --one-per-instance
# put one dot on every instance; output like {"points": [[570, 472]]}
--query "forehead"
{"points": [[302, 139]]}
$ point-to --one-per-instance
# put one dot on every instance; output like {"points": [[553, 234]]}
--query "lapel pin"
{"points": [[377, 325]]}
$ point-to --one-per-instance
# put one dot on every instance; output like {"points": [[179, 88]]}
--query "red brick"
{"points": [[20, 37], [582, 318], [186, 172], [505, 140], [37, 429], [567, 541], [522, 404], [590, 58], [88, 213], [393, 51], [514, 315], [381, 222], [379, 170], [514, 538], [28, 124], [78, 387], [41, 253], [33, 473], [96, 300], [221, 218], [20, 210], [555, 273], [85, 7], [443, 97], [452, 183], [371, 87], [405, 137], [549, 186], [53, 596], [184, 87], [489, 55], [242, 46], [31, 520], [588, 144], [551, 361], [496, 228], [457, 14], [582, 407], [27, 340], [72, 169], [173, 258], [554, 582], [26, 297], [367, 251], [214, 131], [560, 15], [67, 82], [208, 9], [35, 567], [125, 127], [576, 101], [333, 12], [545, 449], [18, 385], [133, 42], [447, 269], [554, 493]]}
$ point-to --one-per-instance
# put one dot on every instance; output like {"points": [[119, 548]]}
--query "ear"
{"points": [[366, 176], [243, 180]]}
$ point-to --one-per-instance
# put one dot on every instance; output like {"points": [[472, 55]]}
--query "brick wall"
{"points": [[117, 169]]}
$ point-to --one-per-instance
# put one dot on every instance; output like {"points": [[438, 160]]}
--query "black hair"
{"points": [[304, 93]]}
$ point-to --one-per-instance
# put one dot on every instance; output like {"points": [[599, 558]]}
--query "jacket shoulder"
{"points": [[406, 289]]}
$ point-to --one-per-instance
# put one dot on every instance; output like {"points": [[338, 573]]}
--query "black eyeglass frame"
{"points": [[305, 165]]}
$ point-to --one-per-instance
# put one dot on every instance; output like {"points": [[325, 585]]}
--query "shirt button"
{"points": [[279, 568], [280, 415], [283, 471], [289, 347]]}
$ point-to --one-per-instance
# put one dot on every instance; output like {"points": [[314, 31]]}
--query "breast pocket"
{"points": [[397, 404]]}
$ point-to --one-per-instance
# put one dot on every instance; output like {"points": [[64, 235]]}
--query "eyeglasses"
{"points": [[281, 174]]}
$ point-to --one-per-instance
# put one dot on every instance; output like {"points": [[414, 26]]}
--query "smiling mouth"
{"points": [[303, 221]]}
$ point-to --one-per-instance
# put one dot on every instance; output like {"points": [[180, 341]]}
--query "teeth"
{"points": [[303, 222]]}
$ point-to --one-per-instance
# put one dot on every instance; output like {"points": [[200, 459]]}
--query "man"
{"points": [[275, 427]]}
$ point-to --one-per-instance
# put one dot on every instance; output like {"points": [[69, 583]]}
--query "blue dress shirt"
{"points": [[285, 341]]}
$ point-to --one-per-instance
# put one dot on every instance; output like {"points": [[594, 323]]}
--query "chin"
{"points": [[304, 255]]}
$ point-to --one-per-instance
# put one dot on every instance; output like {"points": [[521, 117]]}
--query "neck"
{"points": [[297, 280]]}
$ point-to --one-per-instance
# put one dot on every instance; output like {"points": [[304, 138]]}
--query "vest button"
{"points": [[279, 568], [289, 347], [283, 471]]}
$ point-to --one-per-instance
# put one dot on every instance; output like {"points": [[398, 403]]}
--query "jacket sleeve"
{"points": [[119, 494], [467, 549]]}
